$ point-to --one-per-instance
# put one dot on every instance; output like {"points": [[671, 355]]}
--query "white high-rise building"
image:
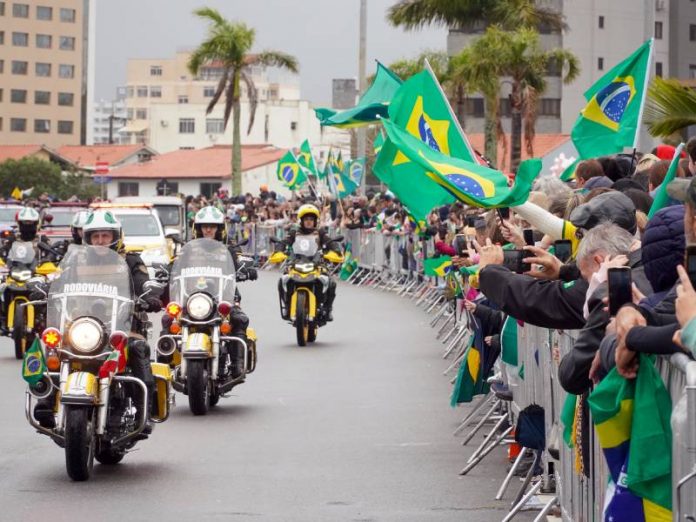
{"points": [[109, 117]]}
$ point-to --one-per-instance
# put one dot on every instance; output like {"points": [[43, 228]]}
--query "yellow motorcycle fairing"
{"points": [[312, 300], [333, 257], [80, 388], [46, 268], [251, 334], [197, 344], [163, 379], [277, 258], [12, 308]]}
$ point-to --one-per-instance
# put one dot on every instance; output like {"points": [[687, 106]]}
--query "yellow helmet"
{"points": [[308, 210]]}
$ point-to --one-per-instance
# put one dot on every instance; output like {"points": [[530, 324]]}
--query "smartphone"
{"points": [[563, 249], [620, 285], [504, 213], [690, 263], [528, 234], [513, 260]]}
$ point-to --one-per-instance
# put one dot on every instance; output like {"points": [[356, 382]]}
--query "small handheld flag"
{"points": [[34, 364]]}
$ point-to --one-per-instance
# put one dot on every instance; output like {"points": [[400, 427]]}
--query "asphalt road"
{"points": [[355, 428]]}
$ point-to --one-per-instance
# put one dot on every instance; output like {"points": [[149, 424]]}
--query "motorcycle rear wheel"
{"points": [[301, 324], [198, 387], [79, 442]]}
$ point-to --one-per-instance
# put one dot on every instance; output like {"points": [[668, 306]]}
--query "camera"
{"points": [[514, 260]]}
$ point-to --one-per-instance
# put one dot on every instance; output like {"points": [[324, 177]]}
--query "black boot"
{"points": [[139, 363]]}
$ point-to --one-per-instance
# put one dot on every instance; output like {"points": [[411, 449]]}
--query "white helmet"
{"points": [[103, 220], [210, 216], [78, 222], [28, 215]]}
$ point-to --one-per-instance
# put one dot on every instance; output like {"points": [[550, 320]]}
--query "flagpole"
{"points": [[452, 115], [645, 93]]}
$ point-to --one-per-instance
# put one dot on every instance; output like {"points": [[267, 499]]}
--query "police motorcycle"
{"points": [[304, 285], [91, 310], [26, 274], [199, 345]]}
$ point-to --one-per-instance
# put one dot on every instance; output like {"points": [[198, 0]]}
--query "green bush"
{"points": [[43, 176]]}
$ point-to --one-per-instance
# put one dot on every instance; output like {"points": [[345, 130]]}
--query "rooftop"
{"points": [[543, 144], [212, 162], [89, 155]]}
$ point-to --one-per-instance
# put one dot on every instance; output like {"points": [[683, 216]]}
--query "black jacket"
{"points": [[548, 304], [325, 241], [573, 372], [139, 273]]}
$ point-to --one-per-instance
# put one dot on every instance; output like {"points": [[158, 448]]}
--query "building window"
{"points": [[66, 99], [473, 107], [20, 11], [550, 107], [130, 92], [42, 97], [18, 124], [293, 125], [183, 99], [155, 91], [142, 91], [155, 70], [601, 22], [600, 63], [187, 125], [692, 72], [209, 91], [18, 96], [2, 12], [2, 91], [129, 114], [66, 71], [167, 188], [19, 67], [214, 126], [67, 15], [65, 127], [43, 69], [210, 189], [128, 188], [692, 32], [42, 126], [2, 66], [44, 13], [141, 114], [211, 73], [67, 43], [658, 30], [2, 37], [658, 69], [20, 39], [44, 41]]}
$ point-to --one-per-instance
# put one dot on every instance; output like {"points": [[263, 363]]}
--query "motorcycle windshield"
{"points": [[203, 265], [21, 253], [92, 282], [305, 246]]}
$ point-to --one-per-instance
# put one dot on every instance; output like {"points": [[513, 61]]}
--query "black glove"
{"points": [[252, 274], [153, 304], [39, 292]]}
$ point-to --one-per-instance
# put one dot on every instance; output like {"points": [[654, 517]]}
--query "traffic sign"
{"points": [[101, 168]]}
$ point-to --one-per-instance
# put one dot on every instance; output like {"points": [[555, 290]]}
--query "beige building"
{"points": [[46, 71]]}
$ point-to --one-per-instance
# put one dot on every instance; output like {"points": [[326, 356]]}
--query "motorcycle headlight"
{"points": [[86, 335], [20, 274], [199, 306], [305, 268]]}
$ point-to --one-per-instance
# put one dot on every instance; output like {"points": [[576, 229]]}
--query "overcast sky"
{"points": [[322, 34]]}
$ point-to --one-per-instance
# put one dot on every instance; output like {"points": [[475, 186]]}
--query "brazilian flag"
{"points": [[661, 199], [609, 121], [349, 263], [420, 109], [340, 185], [470, 381], [378, 142], [632, 421], [371, 106], [34, 364], [354, 170], [467, 181], [508, 341], [437, 266], [290, 172], [306, 158]]}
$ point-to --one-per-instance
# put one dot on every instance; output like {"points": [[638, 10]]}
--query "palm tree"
{"points": [[522, 59], [229, 44], [407, 67], [671, 107]]}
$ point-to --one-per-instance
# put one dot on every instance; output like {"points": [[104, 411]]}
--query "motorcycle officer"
{"points": [[308, 224]]}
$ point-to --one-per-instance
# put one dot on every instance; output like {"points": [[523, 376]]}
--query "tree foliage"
{"points": [[43, 176], [671, 107]]}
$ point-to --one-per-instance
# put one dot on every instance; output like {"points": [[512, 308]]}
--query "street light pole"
{"points": [[362, 133]]}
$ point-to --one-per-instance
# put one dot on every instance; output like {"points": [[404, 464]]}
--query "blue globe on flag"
{"points": [[288, 173], [613, 100], [426, 134]]}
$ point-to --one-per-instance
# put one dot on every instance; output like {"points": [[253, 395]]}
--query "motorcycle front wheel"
{"points": [[198, 387], [79, 442], [313, 331], [301, 324]]}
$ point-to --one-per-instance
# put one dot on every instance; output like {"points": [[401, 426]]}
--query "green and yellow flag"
{"points": [[354, 170], [17, 193], [378, 142], [34, 364], [340, 185], [290, 172], [470, 379], [467, 181], [661, 199], [371, 106], [610, 120], [306, 158], [437, 266]]}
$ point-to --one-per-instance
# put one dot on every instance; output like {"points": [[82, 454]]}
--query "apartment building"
{"points": [[46, 71]]}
